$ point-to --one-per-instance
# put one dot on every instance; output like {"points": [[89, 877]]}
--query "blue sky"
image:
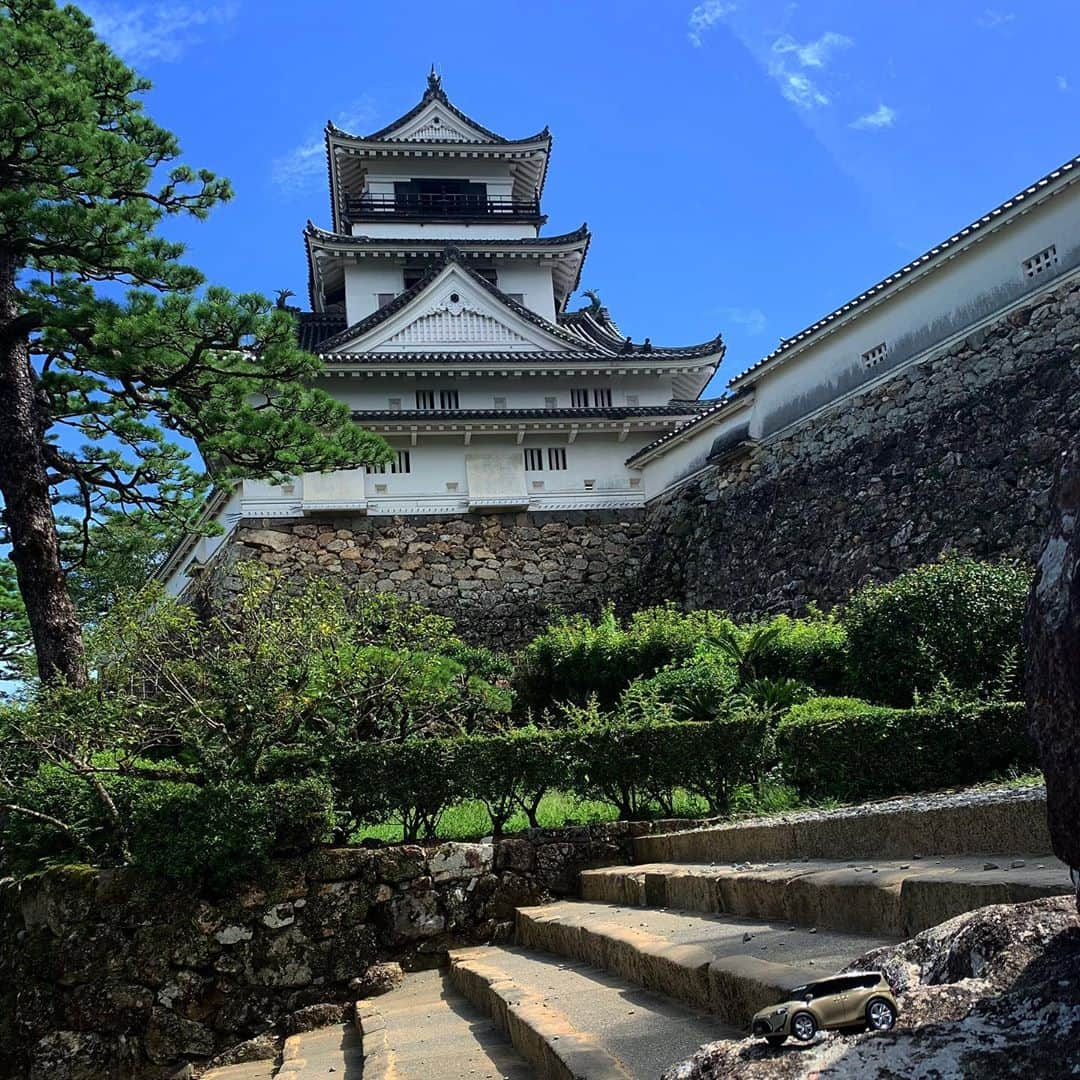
{"points": [[745, 166]]}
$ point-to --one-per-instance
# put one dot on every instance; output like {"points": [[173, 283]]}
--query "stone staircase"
{"points": [[682, 947]]}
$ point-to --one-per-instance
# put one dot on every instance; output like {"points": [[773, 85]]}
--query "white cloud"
{"points": [[143, 33], [1063, 84], [795, 84], [815, 54], [994, 20], [798, 88], [881, 117], [306, 162], [704, 17], [752, 320]]}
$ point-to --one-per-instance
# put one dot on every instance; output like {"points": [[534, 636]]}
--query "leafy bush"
{"points": [[812, 650], [848, 752], [575, 658], [957, 621], [696, 690]]}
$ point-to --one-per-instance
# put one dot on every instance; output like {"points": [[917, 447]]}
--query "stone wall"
{"points": [[106, 974], [955, 453], [501, 577]]}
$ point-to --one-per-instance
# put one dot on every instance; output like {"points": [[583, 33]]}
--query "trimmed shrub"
{"points": [[812, 650], [727, 753], [576, 659], [854, 753], [955, 623], [512, 771]]}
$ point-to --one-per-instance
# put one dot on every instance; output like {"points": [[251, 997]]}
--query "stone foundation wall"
{"points": [[107, 974], [501, 577], [955, 453]]}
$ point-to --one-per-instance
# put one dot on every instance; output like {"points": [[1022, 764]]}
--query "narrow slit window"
{"points": [[534, 460], [579, 399], [425, 400], [602, 398], [403, 462], [556, 458], [448, 399], [1040, 262]]}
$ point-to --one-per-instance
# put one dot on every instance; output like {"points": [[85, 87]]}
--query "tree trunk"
{"points": [[28, 512], [1052, 631]]}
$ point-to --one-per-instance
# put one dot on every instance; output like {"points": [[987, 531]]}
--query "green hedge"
{"points": [[812, 650], [851, 752], [218, 833]]}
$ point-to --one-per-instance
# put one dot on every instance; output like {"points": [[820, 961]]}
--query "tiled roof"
{"points": [[935, 254], [578, 356], [465, 243], [314, 327], [628, 412], [435, 92], [604, 343]]}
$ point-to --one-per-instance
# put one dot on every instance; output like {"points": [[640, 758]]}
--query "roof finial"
{"points": [[434, 80]]}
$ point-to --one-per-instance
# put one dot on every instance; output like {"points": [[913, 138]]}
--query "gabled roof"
{"points": [[576, 332], [434, 126], [328, 251], [930, 260], [435, 94]]}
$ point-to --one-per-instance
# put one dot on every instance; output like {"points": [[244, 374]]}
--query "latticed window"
{"points": [[602, 398], [402, 463], [1040, 262], [534, 459], [872, 357], [448, 399], [425, 399], [556, 458], [579, 399]]}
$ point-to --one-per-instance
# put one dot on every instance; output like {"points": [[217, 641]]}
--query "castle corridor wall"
{"points": [[956, 452]]}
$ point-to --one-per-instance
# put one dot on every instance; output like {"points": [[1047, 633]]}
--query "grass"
{"points": [[469, 820]]}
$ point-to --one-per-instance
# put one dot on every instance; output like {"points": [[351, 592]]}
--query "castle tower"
{"points": [[439, 310]]}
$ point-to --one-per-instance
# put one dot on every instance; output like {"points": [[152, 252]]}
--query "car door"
{"points": [[829, 1001], [854, 1000]]}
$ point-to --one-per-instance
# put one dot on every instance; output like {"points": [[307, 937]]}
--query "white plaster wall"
{"points": [[479, 392], [974, 284], [493, 229], [533, 281], [690, 454], [363, 283]]}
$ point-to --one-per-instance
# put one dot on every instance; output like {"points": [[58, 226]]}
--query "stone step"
{"points": [[727, 965], [999, 820], [248, 1070], [888, 897], [317, 1053], [426, 1029], [572, 1021]]}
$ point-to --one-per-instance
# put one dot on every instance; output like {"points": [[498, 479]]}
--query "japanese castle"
{"points": [[440, 314]]}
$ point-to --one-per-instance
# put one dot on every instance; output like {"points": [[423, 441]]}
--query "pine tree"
{"points": [[86, 177]]}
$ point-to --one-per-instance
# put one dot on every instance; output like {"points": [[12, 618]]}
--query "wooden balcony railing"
{"points": [[424, 205]]}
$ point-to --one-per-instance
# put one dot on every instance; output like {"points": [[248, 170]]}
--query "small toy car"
{"points": [[860, 999]]}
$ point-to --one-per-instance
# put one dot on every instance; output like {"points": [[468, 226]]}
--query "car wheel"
{"points": [[776, 1040], [880, 1015], [803, 1026]]}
